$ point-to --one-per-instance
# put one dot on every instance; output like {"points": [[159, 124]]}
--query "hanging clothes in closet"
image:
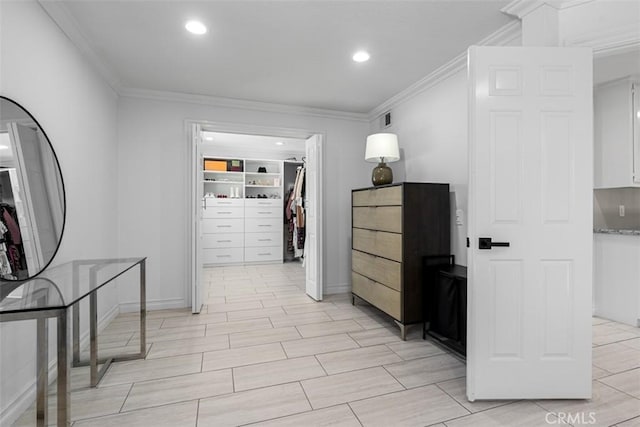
{"points": [[296, 212], [11, 249]]}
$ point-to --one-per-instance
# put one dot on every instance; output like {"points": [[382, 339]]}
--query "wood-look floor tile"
{"points": [[434, 369], [179, 389], [252, 406], [607, 334], [633, 422], [359, 358], [230, 358], [238, 326], [597, 373], [254, 313], [188, 346], [282, 320], [522, 414], [279, 302], [329, 328], [142, 370], [609, 406], [628, 382], [278, 372], [177, 415], [253, 297], [194, 319], [233, 306], [318, 345], [616, 357], [169, 334], [457, 388], [305, 308], [118, 327], [244, 339], [336, 416], [415, 349], [417, 407], [341, 388], [634, 343], [376, 336]]}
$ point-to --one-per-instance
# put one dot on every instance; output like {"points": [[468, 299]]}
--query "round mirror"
{"points": [[32, 198]]}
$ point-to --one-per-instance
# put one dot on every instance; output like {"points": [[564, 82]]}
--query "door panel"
{"points": [[530, 184], [313, 256]]}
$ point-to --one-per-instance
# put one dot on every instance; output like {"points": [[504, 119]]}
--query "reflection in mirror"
{"points": [[32, 200]]}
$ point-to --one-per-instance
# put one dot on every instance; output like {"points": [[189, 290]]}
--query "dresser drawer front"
{"points": [[263, 239], [383, 270], [223, 212], [264, 203], [263, 225], [223, 240], [268, 253], [386, 245], [386, 299], [223, 202], [264, 212], [214, 225], [383, 218], [386, 196], [222, 255]]}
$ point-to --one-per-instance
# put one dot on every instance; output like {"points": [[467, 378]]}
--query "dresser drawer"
{"points": [[383, 270], [263, 225], [220, 201], [223, 240], [386, 245], [268, 253], [386, 299], [386, 196], [264, 202], [383, 218], [214, 225], [223, 212], [264, 212], [263, 239], [222, 255]]}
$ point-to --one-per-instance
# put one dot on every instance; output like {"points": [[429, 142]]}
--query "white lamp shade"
{"points": [[382, 145]]}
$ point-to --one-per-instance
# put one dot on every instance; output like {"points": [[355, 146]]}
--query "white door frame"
{"points": [[246, 129]]}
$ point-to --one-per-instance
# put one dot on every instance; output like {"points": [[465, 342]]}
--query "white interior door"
{"points": [[313, 221], [530, 184], [196, 217]]}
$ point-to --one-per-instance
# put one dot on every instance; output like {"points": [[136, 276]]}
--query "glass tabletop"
{"points": [[63, 285]]}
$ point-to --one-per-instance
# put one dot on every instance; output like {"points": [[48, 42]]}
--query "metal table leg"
{"points": [[143, 308], [42, 366], [64, 369]]}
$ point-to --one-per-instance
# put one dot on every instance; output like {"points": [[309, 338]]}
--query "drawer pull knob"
{"points": [[223, 226], [264, 225], [223, 256], [264, 240], [264, 212], [265, 253], [224, 241], [224, 213]]}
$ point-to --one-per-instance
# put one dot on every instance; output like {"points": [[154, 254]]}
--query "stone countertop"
{"points": [[623, 232]]}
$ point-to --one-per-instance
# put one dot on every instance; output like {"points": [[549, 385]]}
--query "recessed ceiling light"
{"points": [[361, 56], [279, 143], [209, 138], [195, 27], [4, 147]]}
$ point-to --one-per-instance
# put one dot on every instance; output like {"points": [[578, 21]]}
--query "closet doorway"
{"points": [[256, 198]]}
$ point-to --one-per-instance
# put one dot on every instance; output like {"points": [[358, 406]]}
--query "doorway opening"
{"points": [[256, 200]]}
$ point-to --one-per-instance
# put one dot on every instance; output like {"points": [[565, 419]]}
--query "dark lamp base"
{"points": [[382, 174]]}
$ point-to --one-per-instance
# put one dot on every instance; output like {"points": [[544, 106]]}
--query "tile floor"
{"points": [[262, 352]]}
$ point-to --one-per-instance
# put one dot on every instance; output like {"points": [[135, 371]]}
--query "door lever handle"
{"points": [[486, 243]]}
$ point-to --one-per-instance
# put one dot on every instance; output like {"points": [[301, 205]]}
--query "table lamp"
{"points": [[382, 147]]}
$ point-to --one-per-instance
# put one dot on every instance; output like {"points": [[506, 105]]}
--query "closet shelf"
{"points": [[262, 186], [223, 182], [263, 173], [224, 172]]}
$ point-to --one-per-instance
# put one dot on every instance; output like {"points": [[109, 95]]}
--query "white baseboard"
{"points": [[14, 410], [158, 304], [337, 288]]}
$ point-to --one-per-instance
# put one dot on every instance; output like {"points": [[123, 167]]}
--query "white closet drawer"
{"points": [[223, 212], [231, 225], [264, 202], [263, 225], [263, 239], [268, 253], [264, 212], [223, 240], [220, 201], [222, 256]]}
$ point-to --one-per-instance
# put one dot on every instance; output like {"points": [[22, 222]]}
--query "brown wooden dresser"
{"points": [[393, 227]]}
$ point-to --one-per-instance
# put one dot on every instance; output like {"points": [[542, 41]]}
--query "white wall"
{"points": [[432, 134], [153, 199], [43, 71]]}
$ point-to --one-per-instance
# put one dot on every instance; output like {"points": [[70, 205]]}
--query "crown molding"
{"points": [[60, 15], [215, 101], [608, 42], [521, 8], [505, 35]]}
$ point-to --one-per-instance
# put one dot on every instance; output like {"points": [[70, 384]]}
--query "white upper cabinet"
{"points": [[617, 134]]}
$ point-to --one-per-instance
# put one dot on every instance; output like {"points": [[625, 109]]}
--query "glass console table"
{"points": [[57, 293]]}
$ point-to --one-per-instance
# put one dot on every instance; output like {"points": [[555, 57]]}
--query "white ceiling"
{"points": [[248, 143], [285, 52]]}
